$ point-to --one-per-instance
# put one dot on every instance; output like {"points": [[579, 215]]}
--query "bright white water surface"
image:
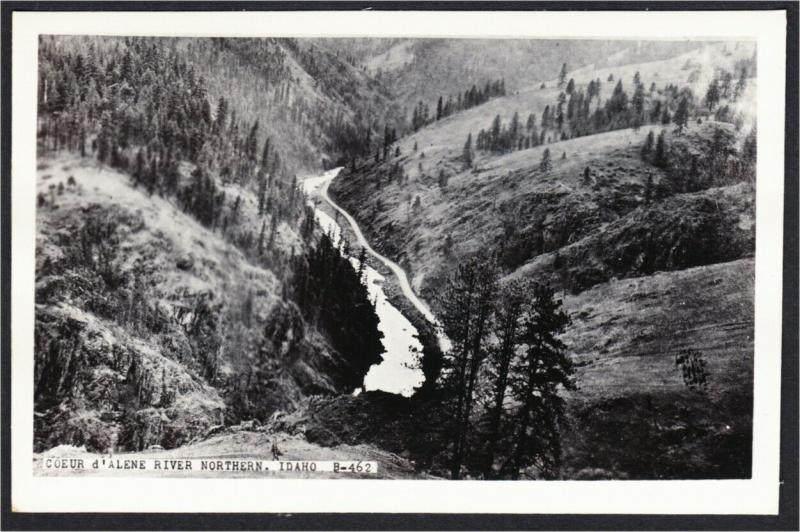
{"points": [[398, 372]]}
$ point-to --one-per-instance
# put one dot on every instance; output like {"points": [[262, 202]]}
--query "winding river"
{"points": [[399, 371]]}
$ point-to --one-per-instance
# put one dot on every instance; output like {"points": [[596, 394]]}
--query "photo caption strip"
{"points": [[125, 465]]}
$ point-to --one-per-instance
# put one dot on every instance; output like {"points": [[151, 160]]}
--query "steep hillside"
{"points": [[637, 205], [151, 328], [312, 105], [181, 280], [425, 69], [443, 140], [540, 216], [425, 203], [632, 416], [319, 108]]}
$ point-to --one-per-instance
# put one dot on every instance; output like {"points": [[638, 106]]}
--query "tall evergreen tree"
{"points": [[712, 94], [647, 148], [562, 75], [468, 303], [545, 165], [660, 158], [681, 117], [467, 154], [540, 372], [509, 311]]}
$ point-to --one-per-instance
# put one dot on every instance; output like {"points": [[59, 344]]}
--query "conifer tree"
{"points": [[648, 189], [468, 304], [265, 152], [587, 176], [540, 372], [749, 147], [152, 178], [681, 117], [138, 173], [509, 311], [647, 148], [725, 85], [260, 249], [252, 141], [562, 76], [442, 180], [514, 128], [467, 154], [660, 158], [712, 94], [741, 84], [546, 164]]}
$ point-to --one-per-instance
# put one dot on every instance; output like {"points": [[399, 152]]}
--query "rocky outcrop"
{"points": [[97, 387], [151, 328]]}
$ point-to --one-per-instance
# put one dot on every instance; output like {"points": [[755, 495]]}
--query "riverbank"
{"points": [[400, 370]]}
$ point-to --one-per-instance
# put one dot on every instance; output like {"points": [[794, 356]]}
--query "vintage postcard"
{"points": [[267, 256]]}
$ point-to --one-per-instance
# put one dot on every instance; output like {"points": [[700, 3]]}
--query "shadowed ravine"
{"points": [[399, 372]]}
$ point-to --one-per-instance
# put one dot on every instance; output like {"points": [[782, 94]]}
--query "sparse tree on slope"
{"points": [[467, 302], [546, 164], [681, 117], [467, 155], [531, 123], [442, 180], [660, 158], [712, 95], [741, 84], [562, 76], [539, 373], [587, 176], [648, 189], [507, 330], [514, 130], [647, 148]]}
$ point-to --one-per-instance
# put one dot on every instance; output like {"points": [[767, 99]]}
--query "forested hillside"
{"points": [[175, 252]]}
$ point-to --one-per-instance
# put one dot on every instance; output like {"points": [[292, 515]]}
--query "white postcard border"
{"points": [[758, 495]]}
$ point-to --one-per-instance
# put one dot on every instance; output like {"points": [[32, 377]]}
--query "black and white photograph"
{"points": [[429, 258]]}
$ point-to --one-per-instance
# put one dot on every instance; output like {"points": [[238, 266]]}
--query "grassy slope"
{"points": [[468, 210], [428, 68], [445, 138], [475, 203], [637, 326], [632, 416], [123, 371]]}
